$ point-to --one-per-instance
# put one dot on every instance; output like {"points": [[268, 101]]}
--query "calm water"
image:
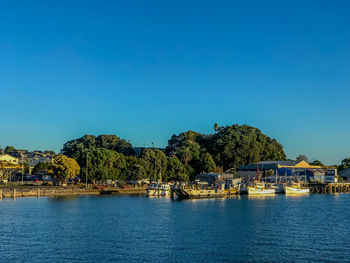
{"points": [[140, 229]]}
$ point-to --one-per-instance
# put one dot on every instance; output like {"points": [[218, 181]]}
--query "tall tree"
{"points": [[43, 166], [150, 163], [176, 170], [135, 169], [207, 163], [112, 142], [345, 163], [216, 127], [237, 145], [9, 149], [179, 141], [105, 164], [317, 162], [64, 168], [302, 157]]}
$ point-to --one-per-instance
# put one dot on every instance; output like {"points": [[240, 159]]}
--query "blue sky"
{"points": [[144, 70]]}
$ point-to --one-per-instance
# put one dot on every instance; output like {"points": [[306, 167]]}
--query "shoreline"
{"points": [[53, 191]]}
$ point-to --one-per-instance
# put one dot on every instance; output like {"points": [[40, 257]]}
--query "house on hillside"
{"points": [[8, 159]]}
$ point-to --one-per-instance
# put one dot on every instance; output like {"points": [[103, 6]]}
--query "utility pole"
{"points": [[22, 171], [86, 174]]}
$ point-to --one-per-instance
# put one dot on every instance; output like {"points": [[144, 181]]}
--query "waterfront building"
{"points": [[8, 159], [288, 171], [345, 174]]}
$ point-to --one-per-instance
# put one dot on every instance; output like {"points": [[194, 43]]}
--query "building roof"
{"points": [[289, 162], [5, 155], [267, 165]]}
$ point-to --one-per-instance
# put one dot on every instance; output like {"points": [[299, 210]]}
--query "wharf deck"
{"points": [[126, 191], [329, 188]]}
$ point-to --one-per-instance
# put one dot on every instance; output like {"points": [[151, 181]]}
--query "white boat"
{"points": [[158, 190], [296, 188], [260, 189]]}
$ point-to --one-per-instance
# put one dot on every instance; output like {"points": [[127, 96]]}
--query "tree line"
{"points": [[187, 154]]}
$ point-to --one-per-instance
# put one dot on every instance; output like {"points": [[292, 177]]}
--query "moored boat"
{"points": [[279, 188], [260, 188], [158, 190], [195, 191], [296, 188]]}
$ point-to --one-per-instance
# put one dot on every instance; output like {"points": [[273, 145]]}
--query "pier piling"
{"points": [[14, 193], [331, 188]]}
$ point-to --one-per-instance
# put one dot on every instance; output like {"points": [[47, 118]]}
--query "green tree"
{"points": [[150, 163], [155, 164], [302, 157], [161, 165], [112, 142], [105, 164], [207, 163], [216, 127], [9, 149], [317, 163], [64, 168], [134, 169], [76, 148], [237, 145], [176, 170], [43, 166], [345, 163], [181, 141]]}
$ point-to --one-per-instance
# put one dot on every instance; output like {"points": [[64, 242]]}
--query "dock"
{"points": [[330, 188]]}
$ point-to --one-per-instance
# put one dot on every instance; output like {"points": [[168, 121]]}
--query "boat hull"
{"points": [[260, 191], [295, 191], [278, 189], [158, 192], [198, 194]]}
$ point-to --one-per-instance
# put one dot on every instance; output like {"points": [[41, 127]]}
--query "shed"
{"points": [[344, 174]]}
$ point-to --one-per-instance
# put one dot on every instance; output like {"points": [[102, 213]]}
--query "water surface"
{"points": [[311, 228]]}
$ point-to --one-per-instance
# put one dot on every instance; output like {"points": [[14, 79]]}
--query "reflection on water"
{"points": [[137, 229], [63, 198], [261, 197]]}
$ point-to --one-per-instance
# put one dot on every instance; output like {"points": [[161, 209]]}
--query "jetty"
{"points": [[122, 191], [38, 191], [329, 188]]}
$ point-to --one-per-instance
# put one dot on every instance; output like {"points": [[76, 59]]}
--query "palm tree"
{"points": [[216, 127], [185, 154]]}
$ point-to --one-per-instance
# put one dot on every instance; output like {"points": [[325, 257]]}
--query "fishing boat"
{"points": [[260, 188], [296, 188], [158, 190], [200, 190]]}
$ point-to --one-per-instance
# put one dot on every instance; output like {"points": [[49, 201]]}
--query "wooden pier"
{"points": [[332, 188]]}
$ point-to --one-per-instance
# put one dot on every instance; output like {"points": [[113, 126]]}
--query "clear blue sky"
{"points": [[144, 70]]}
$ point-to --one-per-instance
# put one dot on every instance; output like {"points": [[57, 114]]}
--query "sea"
{"points": [[312, 228]]}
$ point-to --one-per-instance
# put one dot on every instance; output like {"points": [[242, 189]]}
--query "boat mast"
{"points": [[276, 176]]}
